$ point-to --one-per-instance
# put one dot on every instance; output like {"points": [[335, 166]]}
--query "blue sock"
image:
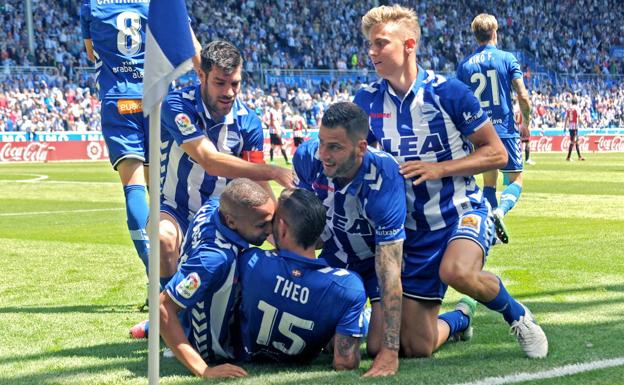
{"points": [[457, 321], [510, 196], [164, 281], [490, 194], [505, 304], [137, 212]]}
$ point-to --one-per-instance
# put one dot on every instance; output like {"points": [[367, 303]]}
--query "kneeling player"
{"points": [[292, 303]]}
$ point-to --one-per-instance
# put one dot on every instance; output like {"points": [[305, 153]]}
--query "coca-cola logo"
{"points": [[610, 143], [583, 143], [543, 144], [32, 152]]}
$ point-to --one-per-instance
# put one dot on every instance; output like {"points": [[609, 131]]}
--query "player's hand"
{"points": [[524, 132], [284, 176], [224, 371], [421, 171], [386, 363]]}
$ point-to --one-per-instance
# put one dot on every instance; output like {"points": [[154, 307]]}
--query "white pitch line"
{"points": [[58, 212], [38, 178], [561, 371]]}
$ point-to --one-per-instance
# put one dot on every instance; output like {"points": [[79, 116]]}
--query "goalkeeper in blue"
{"points": [[293, 304], [491, 74]]}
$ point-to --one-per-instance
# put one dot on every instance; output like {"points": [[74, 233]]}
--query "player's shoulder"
{"points": [[382, 163], [341, 277], [306, 152], [367, 93], [181, 98], [245, 115], [445, 88]]}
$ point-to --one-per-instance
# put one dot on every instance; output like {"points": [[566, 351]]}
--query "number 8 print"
{"points": [[131, 31]]}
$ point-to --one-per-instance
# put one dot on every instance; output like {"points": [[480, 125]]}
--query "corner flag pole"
{"points": [[168, 54], [153, 343]]}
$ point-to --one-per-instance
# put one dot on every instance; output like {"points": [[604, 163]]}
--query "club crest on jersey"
{"points": [[296, 273], [184, 124], [189, 285], [470, 221]]}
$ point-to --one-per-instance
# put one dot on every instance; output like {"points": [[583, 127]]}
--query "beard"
{"points": [[215, 106], [344, 168]]}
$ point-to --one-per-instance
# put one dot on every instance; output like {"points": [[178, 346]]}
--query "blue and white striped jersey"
{"points": [[370, 210], [281, 301], [206, 283], [117, 29], [489, 72], [185, 185], [431, 123]]}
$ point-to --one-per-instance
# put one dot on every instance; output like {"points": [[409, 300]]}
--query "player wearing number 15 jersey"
{"points": [[114, 37], [491, 73], [292, 303]]}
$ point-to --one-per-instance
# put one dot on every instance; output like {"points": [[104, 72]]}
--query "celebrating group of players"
{"points": [[387, 192]]}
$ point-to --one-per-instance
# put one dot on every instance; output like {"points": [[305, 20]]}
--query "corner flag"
{"points": [[169, 50]]}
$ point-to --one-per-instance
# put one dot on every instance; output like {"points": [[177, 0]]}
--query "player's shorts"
{"points": [[573, 135], [183, 217], [297, 141], [125, 130], [514, 150], [423, 251], [275, 139]]}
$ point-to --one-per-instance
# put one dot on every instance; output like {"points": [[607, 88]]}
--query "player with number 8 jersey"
{"points": [[114, 36]]}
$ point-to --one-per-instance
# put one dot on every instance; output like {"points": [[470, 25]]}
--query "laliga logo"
{"points": [[94, 150], [33, 152]]}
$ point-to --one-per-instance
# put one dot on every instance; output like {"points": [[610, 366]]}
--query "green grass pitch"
{"points": [[71, 283]]}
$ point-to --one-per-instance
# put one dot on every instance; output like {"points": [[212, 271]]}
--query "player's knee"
{"points": [[455, 276], [417, 349]]}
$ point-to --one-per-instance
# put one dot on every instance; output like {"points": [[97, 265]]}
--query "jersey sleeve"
{"points": [[253, 137], [351, 322], [85, 19], [303, 164], [386, 203], [515, 71], [179, 119], [359, 99], [462, 106], [198, 276]]}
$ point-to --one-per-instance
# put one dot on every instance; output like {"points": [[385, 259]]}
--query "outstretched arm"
{"points": [[173, 334], [89, 47], [229, 166], [388, 267]]}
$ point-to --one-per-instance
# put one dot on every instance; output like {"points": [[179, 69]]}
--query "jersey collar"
{"points": [[228, 233], [317, 263], [420, 77]]}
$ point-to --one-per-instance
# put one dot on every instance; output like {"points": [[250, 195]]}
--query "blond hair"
{"points": [[483, 26], [405, 17]]}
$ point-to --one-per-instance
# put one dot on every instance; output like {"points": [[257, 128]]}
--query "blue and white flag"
{"points": [[168, 49]]}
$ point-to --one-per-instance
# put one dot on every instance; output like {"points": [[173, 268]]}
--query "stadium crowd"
{"points": [[317, 37]]}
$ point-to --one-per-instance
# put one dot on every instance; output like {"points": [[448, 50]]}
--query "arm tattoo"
{"points": [[388, 260], [346, 346]]}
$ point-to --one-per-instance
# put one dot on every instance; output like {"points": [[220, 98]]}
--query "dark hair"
{"points": [[221, 54], [240, 195], [304, 213], [349, 116]]}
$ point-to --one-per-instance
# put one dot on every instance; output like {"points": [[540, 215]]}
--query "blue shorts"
{"points": [[183, 217], [423, 251], [126, 133], [515, 161]]}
